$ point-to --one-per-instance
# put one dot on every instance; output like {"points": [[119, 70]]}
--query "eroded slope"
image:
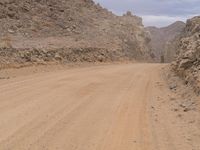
{"points": [[187, 64], [68, 24]]}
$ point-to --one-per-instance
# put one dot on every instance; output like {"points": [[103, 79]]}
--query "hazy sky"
{"points": [[155, 12]]}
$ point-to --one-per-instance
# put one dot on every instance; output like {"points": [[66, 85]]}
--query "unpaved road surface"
{"points": [[93, 108]]}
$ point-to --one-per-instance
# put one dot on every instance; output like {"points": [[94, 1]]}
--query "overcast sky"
{"points": [[155, 12]]}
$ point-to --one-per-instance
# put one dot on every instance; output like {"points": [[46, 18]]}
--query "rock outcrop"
{"points": [[162, 41], [187, 63], [81, 24]]}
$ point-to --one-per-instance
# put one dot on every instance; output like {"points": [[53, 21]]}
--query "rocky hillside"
{"points": [[187, 64], [49, 25], [162, 40]]}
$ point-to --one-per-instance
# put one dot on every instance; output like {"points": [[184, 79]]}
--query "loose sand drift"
{"points": [[111, 107]]}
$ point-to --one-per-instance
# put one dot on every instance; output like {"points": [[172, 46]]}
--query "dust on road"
{"points": [[92, 108]]}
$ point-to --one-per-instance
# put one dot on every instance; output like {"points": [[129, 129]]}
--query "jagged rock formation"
{"points": [[162, 40], [187, 63], [78, 24]]}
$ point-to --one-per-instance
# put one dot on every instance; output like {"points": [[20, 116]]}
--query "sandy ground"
{"points": [[110, 107]]}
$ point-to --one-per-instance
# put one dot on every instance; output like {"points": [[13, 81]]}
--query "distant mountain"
{"points": [[162, 40]]}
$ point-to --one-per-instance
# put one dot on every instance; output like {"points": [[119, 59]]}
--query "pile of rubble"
{"points": [[10, 57]]}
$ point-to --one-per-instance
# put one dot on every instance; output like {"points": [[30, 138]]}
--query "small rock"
{"points": [[175, 109], [187, 104], [58, 57], [186, 109], [68, 29], [100, 58], [11, 31], [186, 63], [173, 86]]}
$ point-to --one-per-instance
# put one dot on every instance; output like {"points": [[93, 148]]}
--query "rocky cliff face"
{"points": [[81, 24], [162, 40], [187, 64]]}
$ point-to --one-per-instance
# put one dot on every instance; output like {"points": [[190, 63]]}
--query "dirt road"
{"points": [[93, 108]]}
